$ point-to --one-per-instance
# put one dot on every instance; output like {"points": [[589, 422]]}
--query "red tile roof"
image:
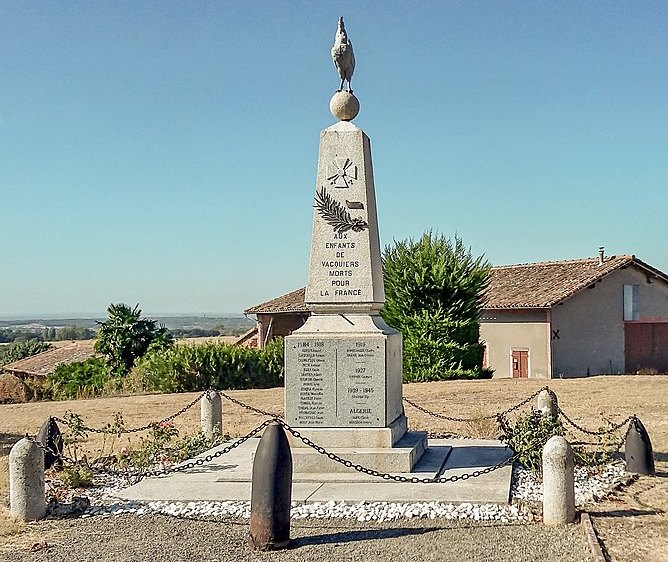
{"points": [[292, 302], [544, 284], [528, 285], [44, 363]]}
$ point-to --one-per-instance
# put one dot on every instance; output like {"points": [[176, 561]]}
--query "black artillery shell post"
{"points": [[638, 449], [271, 491], [51, 439]]}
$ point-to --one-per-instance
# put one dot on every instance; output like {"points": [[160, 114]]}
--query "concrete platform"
{"points": [[228, 478]]}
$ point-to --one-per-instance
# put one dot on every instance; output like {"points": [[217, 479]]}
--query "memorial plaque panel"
{"points": [[335, 381]]}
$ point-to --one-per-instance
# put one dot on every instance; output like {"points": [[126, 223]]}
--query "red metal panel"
{"points": [[646, 346]]}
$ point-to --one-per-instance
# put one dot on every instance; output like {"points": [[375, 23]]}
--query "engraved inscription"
{"points": [[336, 382], [340, 267], [312, 361]]}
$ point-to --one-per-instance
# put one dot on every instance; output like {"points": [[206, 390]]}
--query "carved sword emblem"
{"points": [[341, 173]]}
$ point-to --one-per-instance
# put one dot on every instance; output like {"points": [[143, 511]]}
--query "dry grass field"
{"points": [[633, 523]]}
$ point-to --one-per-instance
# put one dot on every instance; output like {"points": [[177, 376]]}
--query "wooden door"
{"points": [[520, 364]]}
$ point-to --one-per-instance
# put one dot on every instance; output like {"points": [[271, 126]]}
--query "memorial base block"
{"points": [[343, 392], [364, 437], [343, 370]]}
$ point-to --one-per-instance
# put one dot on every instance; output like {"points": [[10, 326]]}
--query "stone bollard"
{"points": [[271, 491], [547, 403], [638, 449], [26, 481], [558, 482], [211, 414]]}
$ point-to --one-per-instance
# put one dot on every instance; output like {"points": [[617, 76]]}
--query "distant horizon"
{"points": [[94, 315]]}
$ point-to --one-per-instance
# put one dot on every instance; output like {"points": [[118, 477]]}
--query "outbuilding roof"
{"points": [[44, 363], [292, 302], [527, 285], [544, 284]]}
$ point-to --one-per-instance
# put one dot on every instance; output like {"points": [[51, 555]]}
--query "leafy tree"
{"points": [[74, 332], [78, 380], [434, 291], [125, 337], [22, 349], [8, 335]]}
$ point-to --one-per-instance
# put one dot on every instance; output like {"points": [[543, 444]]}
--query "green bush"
{"points": [[434, 291], [77, 476], [82, 379], [185, 368], [527, 437], [126, 336]]}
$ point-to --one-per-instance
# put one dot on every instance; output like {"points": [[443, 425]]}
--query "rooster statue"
{"points": [[343, 56]]}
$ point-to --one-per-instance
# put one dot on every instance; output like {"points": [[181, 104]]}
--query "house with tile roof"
{"points": [[576, 317], [551, 319], [44, 363], [277, 317]]}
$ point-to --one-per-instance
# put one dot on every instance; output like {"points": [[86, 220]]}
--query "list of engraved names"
{"points": [[337, 382]]}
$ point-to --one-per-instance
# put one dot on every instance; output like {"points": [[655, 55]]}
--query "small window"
{"points": [[631, 302]]}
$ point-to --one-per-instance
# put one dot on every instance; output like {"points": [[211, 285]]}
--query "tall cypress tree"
{"points": [[434, 291]]}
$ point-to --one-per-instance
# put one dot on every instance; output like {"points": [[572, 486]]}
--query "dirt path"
{"points": [[633, 523]]}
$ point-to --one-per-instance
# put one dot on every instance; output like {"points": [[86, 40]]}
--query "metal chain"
{"points": [[489, 417], [395, 477], [247, 407], [209, 458], [48, 449], [612, 447], [138, 474], [119, 431], [611, 429]]}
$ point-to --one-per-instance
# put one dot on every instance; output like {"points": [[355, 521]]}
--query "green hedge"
{"points": [[439, 348], [186, 368], [82, 379]]}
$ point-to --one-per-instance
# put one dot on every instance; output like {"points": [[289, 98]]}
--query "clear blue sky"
{"points": [[165, 152]]}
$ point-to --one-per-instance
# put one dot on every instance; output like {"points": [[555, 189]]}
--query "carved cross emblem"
{"points": [[341, 173]]}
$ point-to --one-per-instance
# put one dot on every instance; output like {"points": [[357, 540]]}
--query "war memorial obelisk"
{"points": [[343, 368]]}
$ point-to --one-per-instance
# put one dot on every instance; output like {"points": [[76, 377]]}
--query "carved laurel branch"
{"points": [[335, 214]]}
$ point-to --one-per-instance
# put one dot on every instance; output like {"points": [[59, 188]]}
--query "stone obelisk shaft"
{"points": [[343, 367], [346, 273]]}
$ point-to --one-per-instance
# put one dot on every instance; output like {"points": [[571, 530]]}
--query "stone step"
{"points": [[396, 460], [432, 464]]}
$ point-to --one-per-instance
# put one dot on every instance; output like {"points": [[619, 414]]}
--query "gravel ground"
{"points": [[157, 537]]}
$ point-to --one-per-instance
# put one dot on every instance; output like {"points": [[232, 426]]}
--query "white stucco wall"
{"points": [[508, 330]]}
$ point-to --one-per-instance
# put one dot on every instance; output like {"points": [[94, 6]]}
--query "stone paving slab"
{"points": [[228, 478]]}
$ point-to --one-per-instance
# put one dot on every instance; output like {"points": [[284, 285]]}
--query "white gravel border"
{"points": [[590, 486], [363, 511]]}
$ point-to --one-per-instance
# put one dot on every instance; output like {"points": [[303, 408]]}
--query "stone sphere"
{"points": [[344, 106]]}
